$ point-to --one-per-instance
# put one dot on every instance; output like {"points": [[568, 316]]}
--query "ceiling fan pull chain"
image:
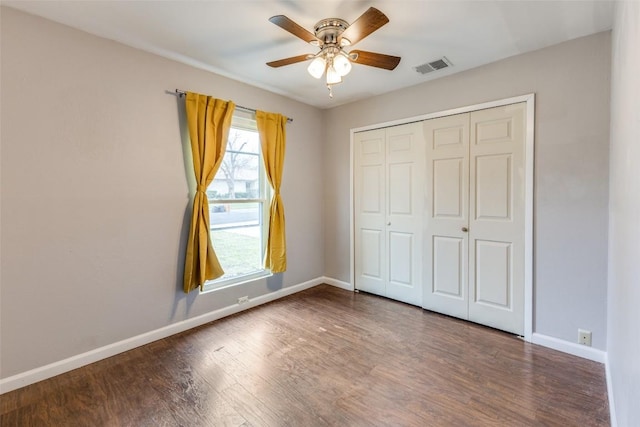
{"points": [[330, 87]]}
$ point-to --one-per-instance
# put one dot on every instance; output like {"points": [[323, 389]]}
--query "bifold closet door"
{"points": [[370, 211], [474, 240], [447, 240], [389, 200], [496, 217]]}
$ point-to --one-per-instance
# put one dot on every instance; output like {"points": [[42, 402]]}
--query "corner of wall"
{"points": [[338, 283], [579, 350], [612, 406]]}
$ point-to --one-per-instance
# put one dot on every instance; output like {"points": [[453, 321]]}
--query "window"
{"points": [[239, 197]]}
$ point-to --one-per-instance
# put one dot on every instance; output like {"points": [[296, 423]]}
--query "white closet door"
{"points": [[496, 225], [474, 240], [446, 241], [389, 203], [405, 202], [370, 215]]}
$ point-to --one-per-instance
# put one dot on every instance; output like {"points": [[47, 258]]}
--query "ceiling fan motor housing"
{"points": [[328, 31]]}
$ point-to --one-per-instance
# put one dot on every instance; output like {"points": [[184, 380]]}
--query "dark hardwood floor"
{"points": [[324, 356]]}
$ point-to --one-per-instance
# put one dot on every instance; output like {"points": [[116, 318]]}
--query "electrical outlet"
{"points": [[584, 337], [243, 300]]}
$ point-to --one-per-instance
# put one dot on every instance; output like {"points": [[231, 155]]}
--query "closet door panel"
{"points": [[448, 188], [448, 281], [446, 242], [401, 258], [369, 207], [405, 196], [496, 223]]}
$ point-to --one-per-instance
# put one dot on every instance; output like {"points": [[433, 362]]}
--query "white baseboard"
{"points": [[612, 406], [42, 373], [338, 283], [569, 347]]}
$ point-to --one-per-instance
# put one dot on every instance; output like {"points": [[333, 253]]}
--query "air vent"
{"points": [[436, 65]]}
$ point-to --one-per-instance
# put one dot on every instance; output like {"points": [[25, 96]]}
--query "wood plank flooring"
{"points": [[322, 357]]}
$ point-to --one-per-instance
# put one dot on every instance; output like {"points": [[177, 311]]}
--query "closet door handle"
{"points": [[465, 229], [389, 223]]}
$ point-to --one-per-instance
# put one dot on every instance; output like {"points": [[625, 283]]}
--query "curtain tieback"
{"points": [[201, 188]]}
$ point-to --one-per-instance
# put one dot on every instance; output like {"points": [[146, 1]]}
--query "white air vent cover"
{"points": [[436, 65]]}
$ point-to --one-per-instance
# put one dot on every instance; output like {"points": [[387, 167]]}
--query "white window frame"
{"points": [[246, 121]]}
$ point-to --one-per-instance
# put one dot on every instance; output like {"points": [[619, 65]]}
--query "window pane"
{"points": [[239, 173], [237, 237], [237, 225], [237, 178], [244, 141]]}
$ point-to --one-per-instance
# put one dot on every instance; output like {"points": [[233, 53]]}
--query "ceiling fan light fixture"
{"points": [[332, 36], [317, 66], [332, 76], [342, 65]]}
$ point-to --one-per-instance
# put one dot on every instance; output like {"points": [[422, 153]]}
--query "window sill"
{"points": [[214, 285]]}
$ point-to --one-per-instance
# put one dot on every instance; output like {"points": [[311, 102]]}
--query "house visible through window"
{"points": [[239, 206]]}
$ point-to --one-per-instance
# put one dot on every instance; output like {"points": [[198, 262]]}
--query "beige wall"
{"points": [[94, 192], [623, 345], [571, 84]]}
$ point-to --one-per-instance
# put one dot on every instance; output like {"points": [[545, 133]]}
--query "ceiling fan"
{"points": [[333, 36]]}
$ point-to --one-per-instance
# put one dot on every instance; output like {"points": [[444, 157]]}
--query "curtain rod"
{"points": [[179, 92]]}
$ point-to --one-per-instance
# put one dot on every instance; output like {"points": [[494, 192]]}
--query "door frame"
{"points": [[529, 100]]}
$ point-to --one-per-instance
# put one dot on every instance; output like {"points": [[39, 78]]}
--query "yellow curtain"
{"points": [[209, 120], [272, 130]]}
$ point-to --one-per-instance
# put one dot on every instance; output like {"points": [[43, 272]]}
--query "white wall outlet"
{"points": [[584, 337], [243, 300]]}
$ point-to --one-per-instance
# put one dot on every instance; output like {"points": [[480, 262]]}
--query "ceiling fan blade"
{"points": [[366, 24], [289, 61], [378, 60], [295, 29]]}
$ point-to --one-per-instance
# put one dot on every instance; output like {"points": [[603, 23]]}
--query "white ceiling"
{"points": [[234, 37]]}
